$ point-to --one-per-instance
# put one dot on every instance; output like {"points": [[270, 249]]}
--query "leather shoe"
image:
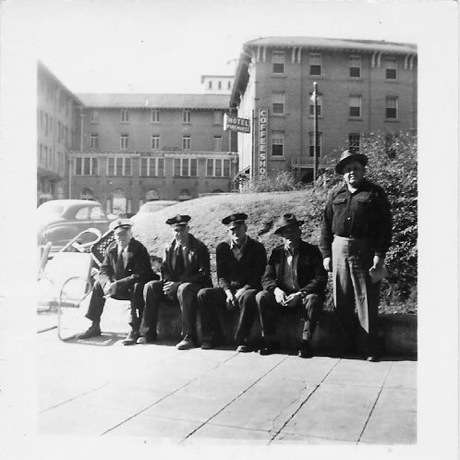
{"points": [[215, 342], [92, 331], [147, 338], [131, 338], [186, 343], [269, 349], [373, 358], [243, 348], [305, 350]]}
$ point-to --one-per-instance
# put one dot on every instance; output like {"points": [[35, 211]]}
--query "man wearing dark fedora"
{"points": [[294, 279], [184, 271], [124, 271], [240, 265], [355, 236]]}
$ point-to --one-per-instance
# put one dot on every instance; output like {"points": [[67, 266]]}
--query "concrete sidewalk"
{"points": [[157, 393]]}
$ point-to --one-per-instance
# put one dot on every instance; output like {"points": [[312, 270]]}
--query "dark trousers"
{"points": [[351, 260], [134, 295], [211, 300], [186, 297], [310, 309]]}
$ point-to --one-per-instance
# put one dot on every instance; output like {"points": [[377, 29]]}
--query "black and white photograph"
{"points": [[230, 228]]}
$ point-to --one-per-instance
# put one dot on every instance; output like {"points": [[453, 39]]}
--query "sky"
{"points": [[162, 46]]}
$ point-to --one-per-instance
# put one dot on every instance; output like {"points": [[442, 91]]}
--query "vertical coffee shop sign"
{"points": [[263, 123]]}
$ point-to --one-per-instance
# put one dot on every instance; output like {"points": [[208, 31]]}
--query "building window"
{"points": [[312, 144], [319, 104], [278, 61], [155, 142], [161, 167], [315, 64], [217, 167], [218, 117], [391, 69], [219, 85], [185, 167], [229, 85], [85, 166], [210, 84], [93, 116], [278, 102], [391, 108], [277, 143], [119, 166], [150, 167], [186, 116], [354, 142], [124, 141], [217, 144], [94, 141], [354, 103], [155, 116], [124, 116], [186, 143], [355, 66]]}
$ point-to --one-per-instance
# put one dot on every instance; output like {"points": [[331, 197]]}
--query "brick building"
{"points": [[58, 123], [139, 147], [363, 86]]}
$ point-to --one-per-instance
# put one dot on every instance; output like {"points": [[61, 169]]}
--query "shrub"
{"points": [[394, 167], [284, 181]]}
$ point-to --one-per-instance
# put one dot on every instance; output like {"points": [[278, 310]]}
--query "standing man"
{"points": [[355, 236], [184, 271], [240, 265], [124, 271], [294, 279]]}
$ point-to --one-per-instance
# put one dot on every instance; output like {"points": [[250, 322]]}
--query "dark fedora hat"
{"points": [[286, 221], [347, 157]]}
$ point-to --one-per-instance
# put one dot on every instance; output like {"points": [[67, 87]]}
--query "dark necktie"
{"points": [[179, 269], [120, 266]]}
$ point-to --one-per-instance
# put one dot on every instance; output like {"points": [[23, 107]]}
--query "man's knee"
{"points": [[153, 287], [313, 302], [186, 289], [204, 295], [263, 297]]}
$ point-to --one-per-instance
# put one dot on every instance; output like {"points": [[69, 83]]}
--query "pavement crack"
{"points": [[304, 402], [375, 403], [233, 400]]}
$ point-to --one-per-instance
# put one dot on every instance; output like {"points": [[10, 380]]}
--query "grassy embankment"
{"points": [[262, 208]]}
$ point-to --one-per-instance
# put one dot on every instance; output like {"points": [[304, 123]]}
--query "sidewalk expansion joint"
{"points": [[375, 403], [233, 400], [304, 402], [166, 396]]}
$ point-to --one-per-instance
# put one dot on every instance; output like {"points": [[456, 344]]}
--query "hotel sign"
{"points": [[236, 124], [263, 125]]}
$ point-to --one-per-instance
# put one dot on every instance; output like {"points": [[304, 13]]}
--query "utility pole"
{"points": [[315, 131]]}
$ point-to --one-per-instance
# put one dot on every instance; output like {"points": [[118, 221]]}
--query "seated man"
{"points": [[294, 278], [124, 271], [240, 265], [184, 271]]}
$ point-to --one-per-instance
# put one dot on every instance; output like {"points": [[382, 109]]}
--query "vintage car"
{"points": [[61, 220], [151, 206]]}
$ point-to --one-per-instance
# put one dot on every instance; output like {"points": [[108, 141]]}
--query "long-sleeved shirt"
{"points": [[311, 275], [364, 213], [246, 271]]}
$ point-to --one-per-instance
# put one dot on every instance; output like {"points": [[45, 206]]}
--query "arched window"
{"points": [[86, 194], [151, 195], [184, 195], [119, 204]]}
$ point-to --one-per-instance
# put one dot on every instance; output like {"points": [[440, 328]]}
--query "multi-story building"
{"points": [[58, 124], [140, 147], [217, 84], [363, 86]]}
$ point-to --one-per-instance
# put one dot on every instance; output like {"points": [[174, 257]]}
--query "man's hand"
{"points": [[231, 301], [170, 287], [327, 263], [378, 262], [293, 299], [280, 296]]}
